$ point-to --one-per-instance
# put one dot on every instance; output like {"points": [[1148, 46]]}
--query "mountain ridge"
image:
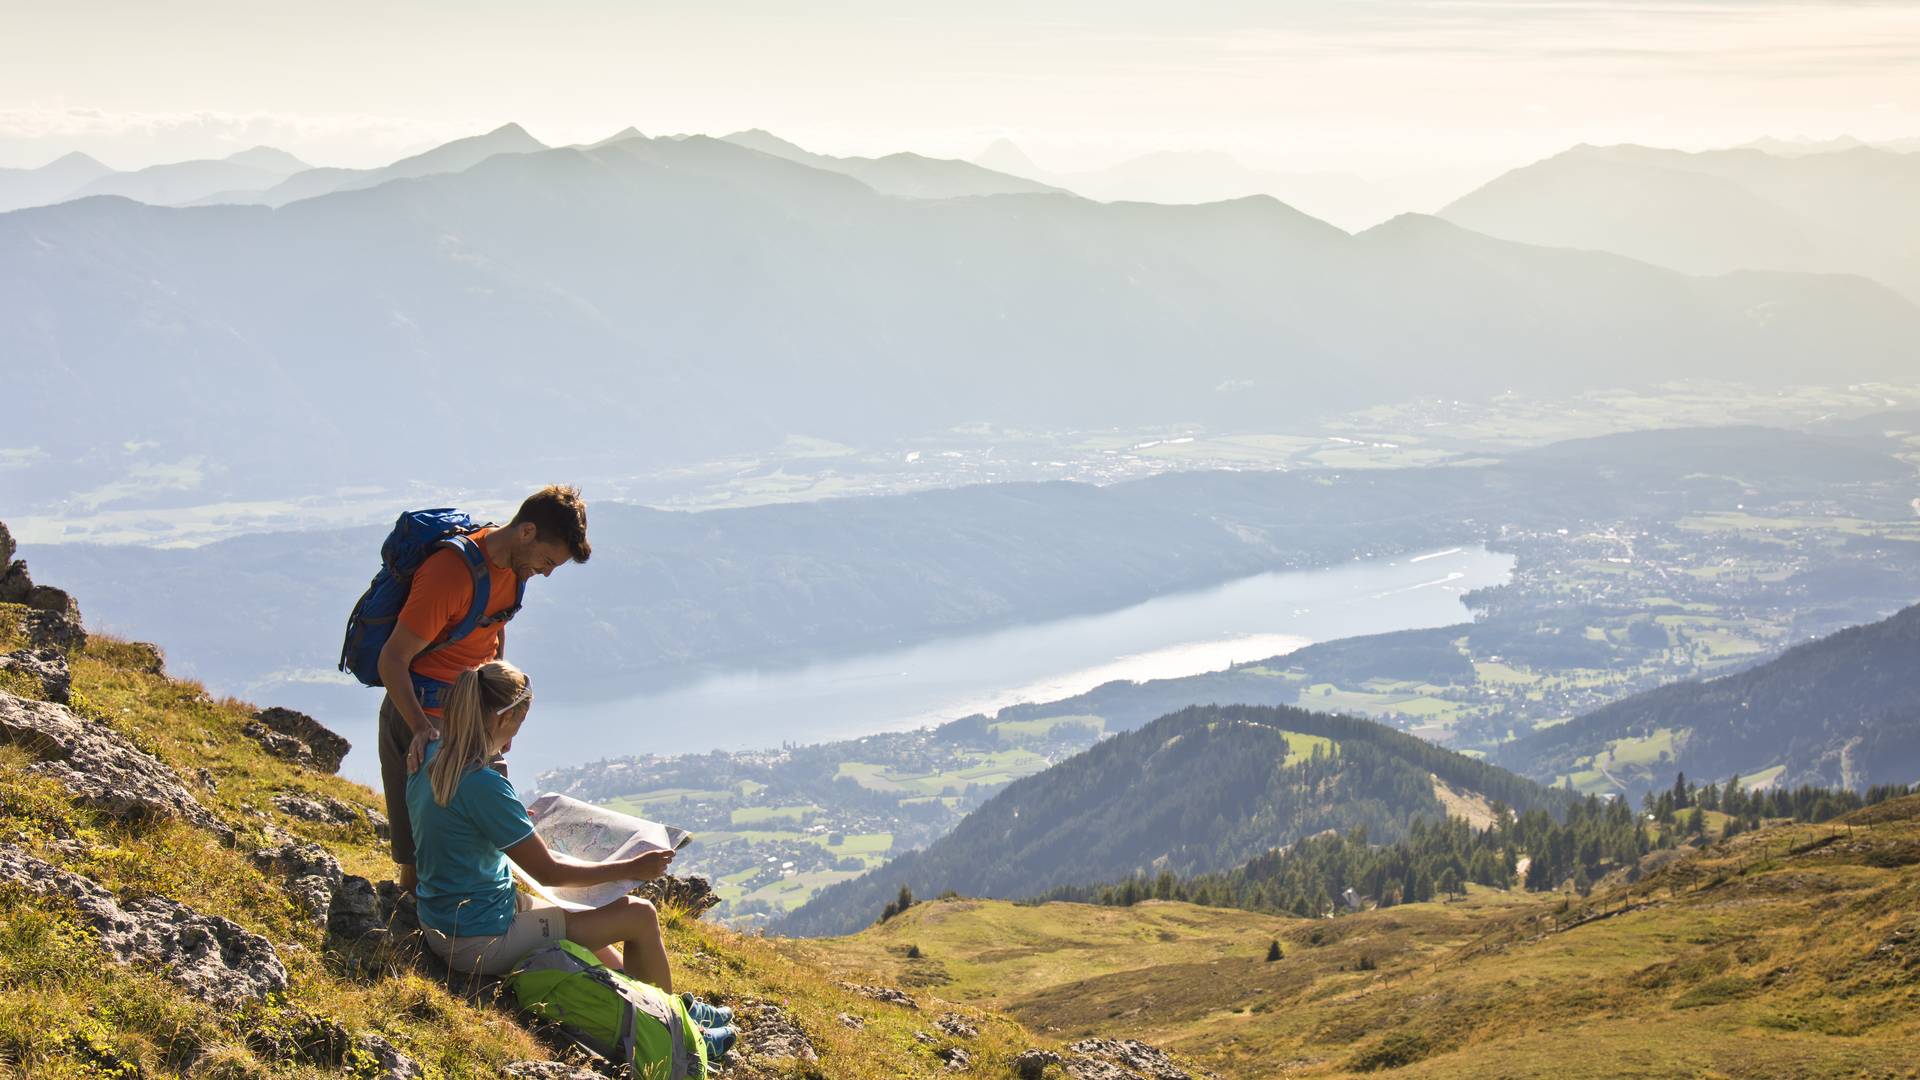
{"points": [[1200, 790], [1839, 710], [789, 295]]}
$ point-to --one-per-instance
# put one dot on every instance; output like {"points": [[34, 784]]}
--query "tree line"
{"points": [[1334, 873]]}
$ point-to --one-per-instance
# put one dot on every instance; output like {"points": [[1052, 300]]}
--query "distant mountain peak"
{"points": [[625, 133], [768, 143], [269, 158], [1002, 155], [74, 160]]}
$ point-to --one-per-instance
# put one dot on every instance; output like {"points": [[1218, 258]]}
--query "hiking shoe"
{"points": [[719, 1041], [706, 1014]]}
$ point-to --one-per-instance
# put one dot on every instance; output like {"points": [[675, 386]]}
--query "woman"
{"points": [[468, 822]]}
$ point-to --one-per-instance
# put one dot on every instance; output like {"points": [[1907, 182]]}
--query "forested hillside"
{"points": [[1202, 789], [1843, 710]]}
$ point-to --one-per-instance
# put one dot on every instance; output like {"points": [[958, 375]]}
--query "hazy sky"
{"points": [[1379, 86]]}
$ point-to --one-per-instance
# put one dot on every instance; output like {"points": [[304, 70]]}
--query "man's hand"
{"points": [[417, 750], [651, 865]]}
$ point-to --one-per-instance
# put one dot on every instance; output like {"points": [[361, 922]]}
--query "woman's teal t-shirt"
{"points": [[459, 850]]}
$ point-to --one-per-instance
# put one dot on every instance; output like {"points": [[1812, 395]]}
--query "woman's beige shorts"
{"points": [[495, 954]]}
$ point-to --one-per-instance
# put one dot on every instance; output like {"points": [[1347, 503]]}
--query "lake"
{"points": [[1168, 636]]}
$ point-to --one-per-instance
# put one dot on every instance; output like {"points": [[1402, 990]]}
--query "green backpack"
{"points": [[616, 1016]]}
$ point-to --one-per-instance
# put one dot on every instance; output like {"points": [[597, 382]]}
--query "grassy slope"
{"points": [[66, 1011], [1753, 959]]}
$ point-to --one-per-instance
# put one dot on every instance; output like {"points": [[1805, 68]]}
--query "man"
{"points": [[417, 667]]}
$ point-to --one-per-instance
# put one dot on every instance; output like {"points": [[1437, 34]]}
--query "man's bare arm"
{"points": [[396, 662]]}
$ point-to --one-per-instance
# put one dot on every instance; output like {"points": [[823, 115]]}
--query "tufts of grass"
{"points": [[67, 1011]]}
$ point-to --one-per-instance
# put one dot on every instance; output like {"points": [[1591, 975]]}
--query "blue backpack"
{"points": [[416, 535]]}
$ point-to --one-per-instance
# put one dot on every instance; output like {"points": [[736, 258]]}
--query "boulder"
{"points": [[881, 993], [284, 747], [317, 746], [54, 601], [144, 657], [14, 582], [548, 1070], [957, 1060], [354, 915], [46, 666], [389, 1062], [56, 630], [324, 809], [212, 958], [99, 766], [957, 1026], [693, 894], [1120, 1059], [313, 876], [1032, 1064], [766, 1031]]}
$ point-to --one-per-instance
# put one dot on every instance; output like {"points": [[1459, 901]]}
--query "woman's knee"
{"points": [[636, 911]]}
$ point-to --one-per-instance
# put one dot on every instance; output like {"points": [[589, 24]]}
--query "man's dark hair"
{"points": [[557, 512]]}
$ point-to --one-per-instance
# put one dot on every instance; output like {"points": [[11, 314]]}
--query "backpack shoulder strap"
{"points": [[476, 561], [507, 614]]}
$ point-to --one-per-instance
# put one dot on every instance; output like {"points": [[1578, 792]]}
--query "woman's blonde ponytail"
{"points": [[468, 718]]}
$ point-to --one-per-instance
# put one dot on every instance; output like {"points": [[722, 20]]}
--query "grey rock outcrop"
{"points": [[390, 1062], [14, 582], [299, 738], [53, 601], [324, 809], [210, 957], [548, 1070], [313, 876], [354, 913], [99, 766], [766, 1031], [146, 657], [1120, 1059], [1032, 1064], [284, 747], [693, 894], [957, 1026], [47, 666], [56, 630], [52, 617], [881, 993]]}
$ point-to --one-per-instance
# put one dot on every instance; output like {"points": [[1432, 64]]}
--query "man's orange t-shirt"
{"points": [[438, 601]]}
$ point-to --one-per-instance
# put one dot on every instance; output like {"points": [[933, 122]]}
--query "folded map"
{"points": [[595, 834]]}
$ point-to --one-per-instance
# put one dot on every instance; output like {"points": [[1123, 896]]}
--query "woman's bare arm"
{"points": [[551, 868]]}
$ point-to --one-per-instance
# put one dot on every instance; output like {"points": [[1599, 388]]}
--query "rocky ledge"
{"points": [[98, 766], [213, 958]]}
